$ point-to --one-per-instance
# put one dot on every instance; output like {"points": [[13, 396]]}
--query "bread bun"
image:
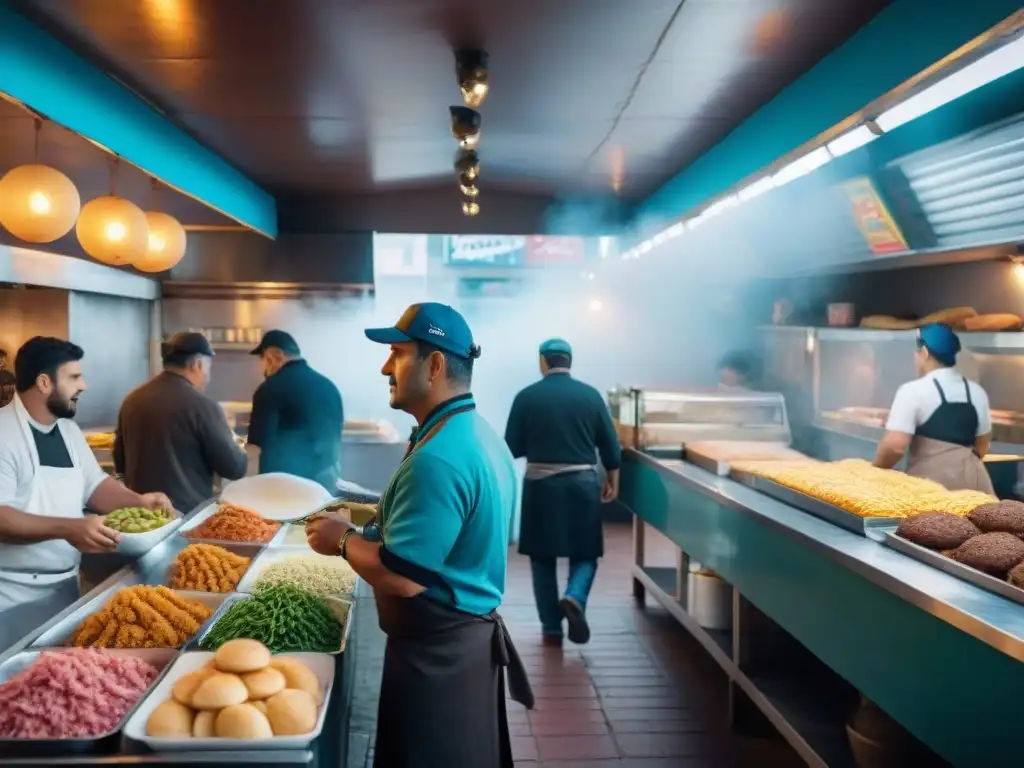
{"points": [[260, 705], [297, 675], [241, 655], [219, 690], [170, 720], [184, 688], [202, 726], [263, 683], [242, 721], [292, 712]]}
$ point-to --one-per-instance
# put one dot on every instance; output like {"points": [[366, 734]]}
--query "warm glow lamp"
{"points": [[166, 245], [38, 204], [113, 230]]}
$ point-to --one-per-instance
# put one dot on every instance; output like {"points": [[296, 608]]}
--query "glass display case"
{"points": [[652, 419]]}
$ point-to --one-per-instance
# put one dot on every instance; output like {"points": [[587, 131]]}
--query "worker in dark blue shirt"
{"points": [[561, 426], [297, 416], [437, 567]]}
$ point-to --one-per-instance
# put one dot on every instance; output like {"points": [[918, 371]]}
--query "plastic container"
{"points": [[140, 543]]}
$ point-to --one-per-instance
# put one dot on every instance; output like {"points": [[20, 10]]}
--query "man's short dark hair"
{"points": [[180, 359], [43, 354], [459, 370], [557, 359]]}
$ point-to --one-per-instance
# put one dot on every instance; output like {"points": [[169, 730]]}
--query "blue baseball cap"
{"points": [[940, 341], [433, 323], [556, 347]]}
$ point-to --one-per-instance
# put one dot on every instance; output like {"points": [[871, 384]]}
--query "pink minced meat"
{"points": [[72, 694]]}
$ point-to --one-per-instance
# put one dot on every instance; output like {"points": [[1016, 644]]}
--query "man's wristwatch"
{"points": [[343, 544]]}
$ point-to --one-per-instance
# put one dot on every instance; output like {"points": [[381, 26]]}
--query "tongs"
{"points": [[336, 505]]}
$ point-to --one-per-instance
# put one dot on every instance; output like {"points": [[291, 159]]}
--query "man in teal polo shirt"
{"points": [[438, 571]]}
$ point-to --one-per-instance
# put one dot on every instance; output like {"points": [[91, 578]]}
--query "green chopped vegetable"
{"points": [[282, 617], [136, 520]]}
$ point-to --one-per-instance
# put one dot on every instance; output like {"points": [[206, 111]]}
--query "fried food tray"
{"points": [[872, 527], [954, 568], [161, 658], [718, 465]]}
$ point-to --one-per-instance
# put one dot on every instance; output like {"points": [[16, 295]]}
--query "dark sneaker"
{"points": [[554, 641], [579, 630]]}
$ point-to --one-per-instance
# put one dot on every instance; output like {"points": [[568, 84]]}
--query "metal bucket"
{"points": [[709, 600]]}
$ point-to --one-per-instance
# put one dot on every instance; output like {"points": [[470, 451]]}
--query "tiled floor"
{"points": [[641, 694]]}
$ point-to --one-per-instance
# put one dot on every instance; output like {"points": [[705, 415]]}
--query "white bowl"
{"points": [[140, 543], [277, 496]]}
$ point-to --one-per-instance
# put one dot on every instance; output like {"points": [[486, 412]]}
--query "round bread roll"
{"points": [[292, 712], [184, 688], [260, 705], [202, 726], [241, 655], [219, 690], [297, 675], [171, 720], [263, 683], [241, 721]]}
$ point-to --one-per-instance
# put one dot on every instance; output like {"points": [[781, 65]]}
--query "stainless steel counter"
{"points": [[988, 617]]}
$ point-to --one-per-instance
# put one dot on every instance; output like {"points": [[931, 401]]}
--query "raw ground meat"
{"points": [[77, 693]]}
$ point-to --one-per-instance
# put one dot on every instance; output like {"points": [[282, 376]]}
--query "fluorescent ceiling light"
{"points": [[756, 189], [802, 166], [675, 230], [1000, 62], [721, 205], [851, 140]]}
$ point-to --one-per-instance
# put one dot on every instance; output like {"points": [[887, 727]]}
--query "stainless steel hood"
{"points": [[23, 266]]}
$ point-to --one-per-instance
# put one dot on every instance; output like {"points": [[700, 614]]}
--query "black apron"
{"points": [[561, 517], [943, 447], [442, 695]]}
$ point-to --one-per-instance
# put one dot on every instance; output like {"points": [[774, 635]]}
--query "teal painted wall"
{"points": [[955, 693], [47, 76], [904, 39]]}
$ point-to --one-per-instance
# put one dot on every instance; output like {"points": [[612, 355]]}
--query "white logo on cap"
{"points": [[435, 330]]}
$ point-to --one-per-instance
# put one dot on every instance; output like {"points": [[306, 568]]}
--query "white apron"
{"points": [[34, 578]]}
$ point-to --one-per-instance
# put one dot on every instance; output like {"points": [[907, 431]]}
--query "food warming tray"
{"points": [[703, 455], [60, 633], [320, 664], [341, 609], [872, 527], [160, 658], [209, 512], [953, 568], [271, 556]]}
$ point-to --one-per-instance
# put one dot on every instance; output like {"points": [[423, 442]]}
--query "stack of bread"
{"points": [[242, 693]]}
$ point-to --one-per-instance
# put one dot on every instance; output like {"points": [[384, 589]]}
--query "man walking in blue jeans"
{"points": [[561, 426]]}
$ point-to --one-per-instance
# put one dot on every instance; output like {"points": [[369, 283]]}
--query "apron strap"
{"points": [[967, 389], [505, 654], [942, 395]]}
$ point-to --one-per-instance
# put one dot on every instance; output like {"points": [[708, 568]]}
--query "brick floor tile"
{"points": [[670, 745], [576, 748], [570, 728], [524, 748], [573, 716]]}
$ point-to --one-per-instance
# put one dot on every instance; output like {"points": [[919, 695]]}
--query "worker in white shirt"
{"points": [[48, 475], [941, 417]]}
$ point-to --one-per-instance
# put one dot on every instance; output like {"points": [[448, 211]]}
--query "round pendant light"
{"points": [[38, 204], [165, 245], [113, 230]]}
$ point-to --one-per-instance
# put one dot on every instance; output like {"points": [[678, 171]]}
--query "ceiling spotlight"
{"points": [[471, 207], [467, 164], [465, 126], [471, 70], [468, 186]]}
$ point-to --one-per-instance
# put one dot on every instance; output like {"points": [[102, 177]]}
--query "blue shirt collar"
{"points": [[440, 411]]}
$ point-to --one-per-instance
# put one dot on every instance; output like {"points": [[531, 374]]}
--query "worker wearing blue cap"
{"points": [[941, 418], [561, 426], [438, 570]]}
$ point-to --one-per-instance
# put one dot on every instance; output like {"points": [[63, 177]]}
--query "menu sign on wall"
{"points": [[485, 251], [873, 218], [554, 250]]}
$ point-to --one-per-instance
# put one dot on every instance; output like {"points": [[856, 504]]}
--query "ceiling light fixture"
{"points": [[470, 207], [471, 71], [111, 229], [1002, 61], [853, 139], [803, 165], [467, 164], [465, 126]]}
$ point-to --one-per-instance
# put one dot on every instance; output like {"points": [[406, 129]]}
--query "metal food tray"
{"points": [[954, 568], [60, 633], [252, 551], [269, 557], [872, 527], [207, 513], [342, 609], [160, 658]]}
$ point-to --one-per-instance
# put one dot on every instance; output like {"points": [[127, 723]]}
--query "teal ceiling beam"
{"points": [[905, 38], [51, 79]]}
